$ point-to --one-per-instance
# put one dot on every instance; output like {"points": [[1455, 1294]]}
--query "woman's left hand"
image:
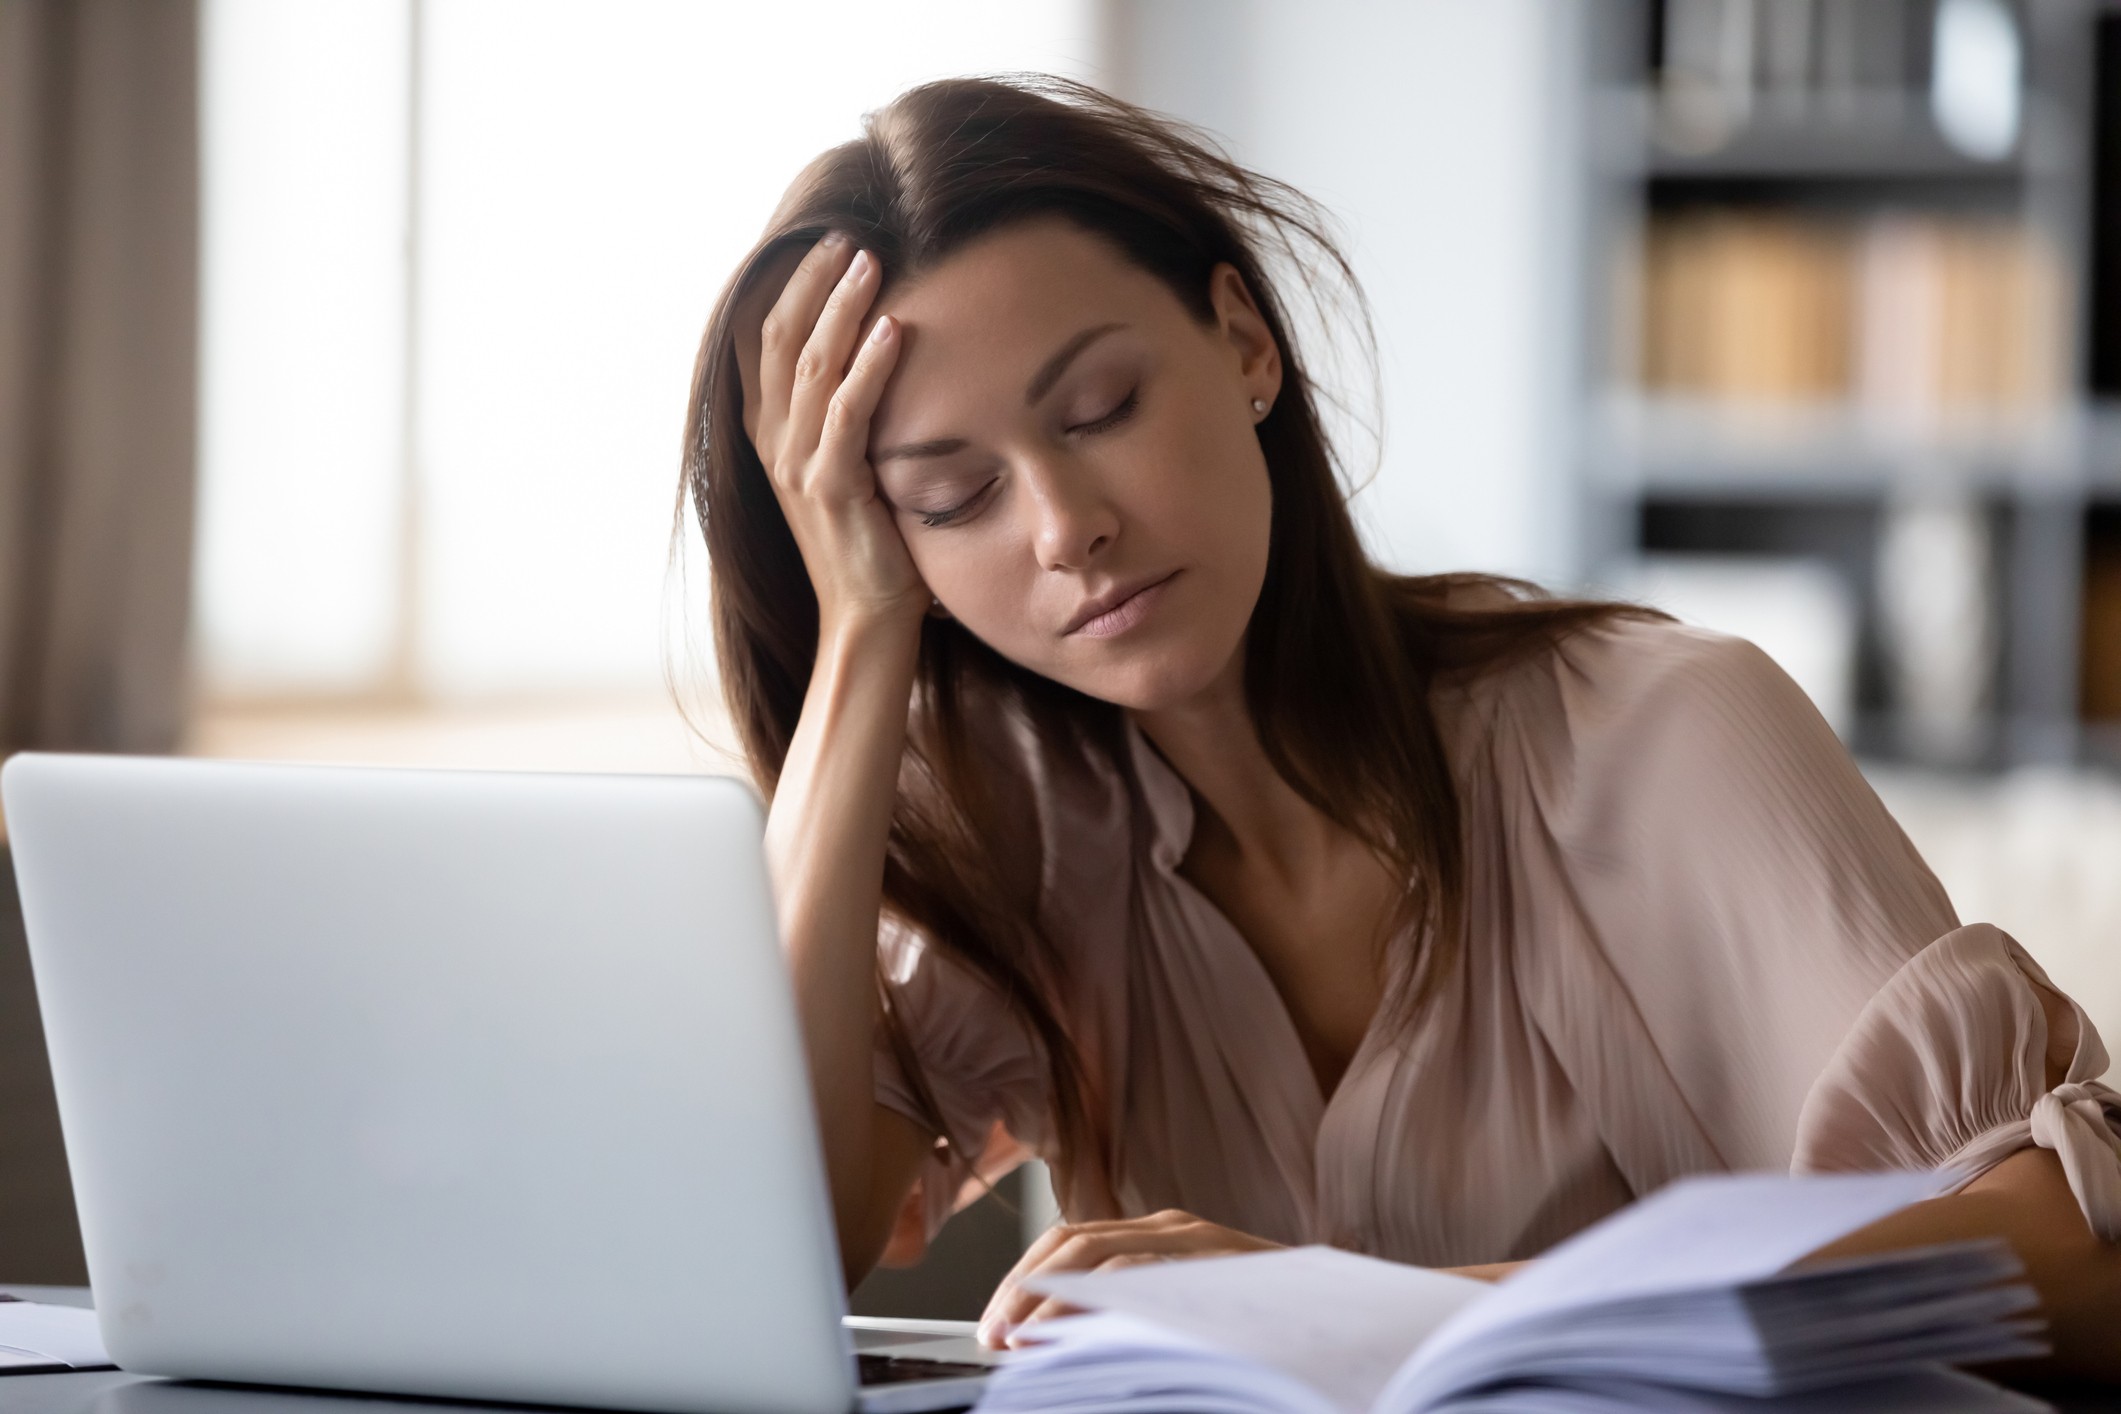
{"points": [[1094, 1247]]}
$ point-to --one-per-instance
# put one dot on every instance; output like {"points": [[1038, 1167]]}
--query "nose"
{"points": [[1076, 522]]}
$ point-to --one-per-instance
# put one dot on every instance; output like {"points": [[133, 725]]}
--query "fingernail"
{"points": [[833, 240], [881, 333], [860, 268]]}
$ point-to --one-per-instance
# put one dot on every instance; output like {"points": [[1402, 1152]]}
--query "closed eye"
{"points": [[1112, 419], [944, 517], [1125, 409]]}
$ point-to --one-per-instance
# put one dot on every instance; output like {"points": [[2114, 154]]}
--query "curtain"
{"points": [[98, 336], [98, 340]]}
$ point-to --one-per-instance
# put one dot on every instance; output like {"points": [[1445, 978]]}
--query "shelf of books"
{"points": [[1856, 299]]}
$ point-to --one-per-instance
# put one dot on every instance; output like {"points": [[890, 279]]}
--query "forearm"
{"points": [[826, 835], [2026, 1201]]}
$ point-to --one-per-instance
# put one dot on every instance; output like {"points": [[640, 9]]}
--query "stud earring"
{"points": [[1259, 405]]}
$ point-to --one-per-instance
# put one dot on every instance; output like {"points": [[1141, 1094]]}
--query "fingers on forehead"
{"points": [[762, 290], [801, 275]]}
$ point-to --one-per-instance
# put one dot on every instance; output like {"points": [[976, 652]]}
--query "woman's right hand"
{"points": [[811, 384], [810, 389]]}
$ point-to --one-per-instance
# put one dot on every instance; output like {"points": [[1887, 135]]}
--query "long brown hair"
{"points": [[1340, 656]]}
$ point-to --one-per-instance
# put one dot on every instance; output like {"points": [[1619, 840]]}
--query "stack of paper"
{"points": [[38, 1339]]}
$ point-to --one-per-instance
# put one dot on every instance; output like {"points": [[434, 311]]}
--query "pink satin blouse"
{"points": [[1696, 942]]}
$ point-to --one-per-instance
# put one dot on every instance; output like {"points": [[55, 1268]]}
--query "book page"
{"points": [[1338, 1322], [1714, 1232]]}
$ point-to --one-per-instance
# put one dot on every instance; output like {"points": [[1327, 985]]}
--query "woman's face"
{"points": [[1070, 456]]}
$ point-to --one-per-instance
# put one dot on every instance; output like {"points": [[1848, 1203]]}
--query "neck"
{"points": [[1245, 807]]}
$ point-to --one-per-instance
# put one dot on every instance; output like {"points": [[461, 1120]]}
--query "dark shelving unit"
{"points": [[1663, 474]]}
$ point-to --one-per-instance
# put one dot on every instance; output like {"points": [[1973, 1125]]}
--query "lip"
{"points": [[1117, 609]]}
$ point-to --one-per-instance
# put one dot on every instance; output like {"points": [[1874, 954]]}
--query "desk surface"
{"points": [[115, 1392]]}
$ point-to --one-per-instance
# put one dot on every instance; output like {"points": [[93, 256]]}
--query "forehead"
{"points": [[992, 312]]}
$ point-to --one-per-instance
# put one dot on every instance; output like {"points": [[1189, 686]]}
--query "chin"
{"points": [[1151, 680]]}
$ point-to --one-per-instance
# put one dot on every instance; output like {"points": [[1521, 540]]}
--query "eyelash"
{"points": [[946, 516], [1114, 418], [1110, 420]]}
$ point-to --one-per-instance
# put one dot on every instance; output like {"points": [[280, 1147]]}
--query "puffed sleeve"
{"points": [[1804, 989], [978, 1064], [1949, 1067]]}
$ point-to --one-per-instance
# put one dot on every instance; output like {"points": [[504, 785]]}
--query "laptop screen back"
{"points": [[445, 1083]]}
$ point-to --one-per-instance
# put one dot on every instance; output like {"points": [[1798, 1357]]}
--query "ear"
{"points": [[761, 290], [1245, 330]]}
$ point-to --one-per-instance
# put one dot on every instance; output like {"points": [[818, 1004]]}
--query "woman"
{"points": [[1269, 896]]}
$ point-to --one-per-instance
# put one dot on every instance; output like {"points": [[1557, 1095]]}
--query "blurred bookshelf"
{"points": [[1852, 287]]}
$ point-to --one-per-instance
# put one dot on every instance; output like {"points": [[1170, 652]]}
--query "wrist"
{"points": [[862, 631]]}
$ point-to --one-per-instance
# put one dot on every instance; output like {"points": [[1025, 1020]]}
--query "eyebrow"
{"points": [[1051, 370], [933, 447], [1049, 373]]}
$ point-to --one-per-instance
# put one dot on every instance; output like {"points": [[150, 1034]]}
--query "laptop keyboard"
{"points": [[898, 1370]]}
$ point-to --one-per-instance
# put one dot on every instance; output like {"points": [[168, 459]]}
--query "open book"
{"points": [[1685, 1301]]}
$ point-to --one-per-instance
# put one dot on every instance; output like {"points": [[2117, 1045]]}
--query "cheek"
{"points": [[979, 576], [1252, 507], [987, 577], [1206, 492]]}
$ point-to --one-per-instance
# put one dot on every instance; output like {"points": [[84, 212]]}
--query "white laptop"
{"points": [[442, 1083]]}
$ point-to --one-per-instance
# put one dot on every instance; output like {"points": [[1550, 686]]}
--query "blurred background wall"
{"points": [[343, 349]]}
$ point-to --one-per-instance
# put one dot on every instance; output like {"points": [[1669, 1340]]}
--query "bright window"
{"points": [[450, 323]]}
